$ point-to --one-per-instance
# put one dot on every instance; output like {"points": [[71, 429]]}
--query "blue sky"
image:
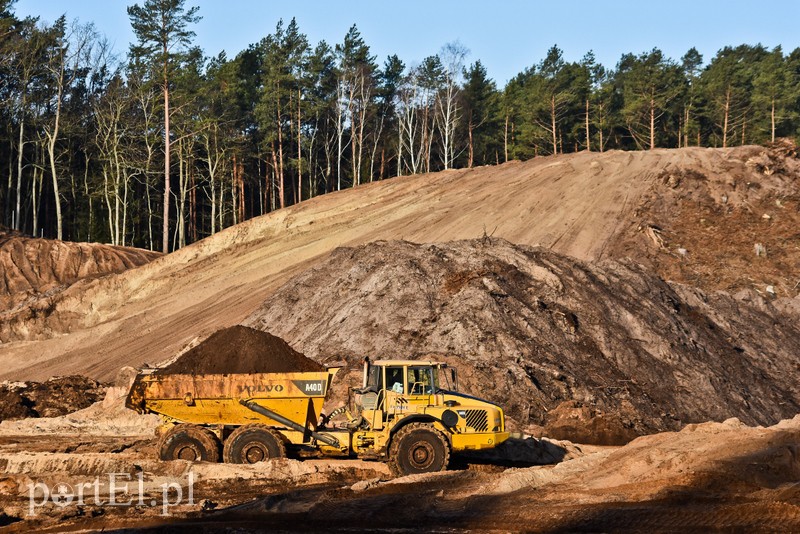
{"points": [[507, 36]]}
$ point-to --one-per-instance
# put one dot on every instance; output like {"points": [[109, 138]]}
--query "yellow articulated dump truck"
{"points": [[407, 413]]}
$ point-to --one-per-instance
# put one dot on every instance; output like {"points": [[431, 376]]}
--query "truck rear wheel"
{"points": [[418, 448], [189, 442], [249, 444]]}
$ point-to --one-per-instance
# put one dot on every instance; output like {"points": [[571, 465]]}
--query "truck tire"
{"points": [[249, 444], [189, 442], [418, 448]]}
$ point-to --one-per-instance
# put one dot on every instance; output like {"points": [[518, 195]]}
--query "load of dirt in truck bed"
{"points": [[52, 398], [590, 352], [240, 349]]}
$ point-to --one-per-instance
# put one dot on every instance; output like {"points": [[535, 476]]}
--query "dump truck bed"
{"points": [[216, 399]]}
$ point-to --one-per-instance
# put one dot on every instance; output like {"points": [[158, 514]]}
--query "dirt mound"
{"points": [[36, 268], [724, 227], [530, 329], [587, 205], [55, 397], [240, 349]]}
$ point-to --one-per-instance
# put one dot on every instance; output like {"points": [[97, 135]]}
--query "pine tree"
{"points": [[691, 62], [651, 85], [772, 92], [482, 113], [161, 28]]}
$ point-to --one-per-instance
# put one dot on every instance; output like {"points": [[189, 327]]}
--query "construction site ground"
{"points": [[708, 477]]}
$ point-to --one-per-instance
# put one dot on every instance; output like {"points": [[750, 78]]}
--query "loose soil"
{"points": [[592, 352], [240, 349], [55, 397]]}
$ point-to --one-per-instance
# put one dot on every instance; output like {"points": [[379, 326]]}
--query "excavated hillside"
{"points": [[35, 270], [680, 212], [625, 352]]}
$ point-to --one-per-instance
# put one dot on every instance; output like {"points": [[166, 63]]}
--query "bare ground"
{"points": [[35, 270], [590, 206], [708, 477]]}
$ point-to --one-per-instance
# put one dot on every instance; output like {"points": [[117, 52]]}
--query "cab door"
{"points": [[421, 387], [396, 392]]}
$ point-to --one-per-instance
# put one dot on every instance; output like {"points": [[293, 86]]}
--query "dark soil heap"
{"points": [[591, 352], [240, 349], [55, 397]]}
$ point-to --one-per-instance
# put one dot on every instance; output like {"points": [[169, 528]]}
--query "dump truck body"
{"points": [[215, 400]]}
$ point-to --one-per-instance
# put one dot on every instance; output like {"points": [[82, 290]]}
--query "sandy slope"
{"points": [[31, 268], [577, 204]]}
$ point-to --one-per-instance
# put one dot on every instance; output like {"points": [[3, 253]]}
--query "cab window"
{"points": [[394, 379], [375, 378]]}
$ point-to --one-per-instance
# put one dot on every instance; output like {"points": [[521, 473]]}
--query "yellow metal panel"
{"points": [[473, 441], [214, 399]]}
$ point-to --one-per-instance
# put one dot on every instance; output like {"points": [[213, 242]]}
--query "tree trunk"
{"points": [[505, 139], [275, 170], [725, 119], [181, 215], [686, 127], [240, 181], [165, 224], [772, 118], [281, 192], [299, 154], [588, 138], [34, 204], [51, 149], [600, 127], [7, 212], [19, 167], [744, 128], [553, 122], [652, 123], [471, 154]]}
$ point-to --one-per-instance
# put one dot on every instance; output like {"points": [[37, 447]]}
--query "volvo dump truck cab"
{"points": [[407, 413], [410, 414]]}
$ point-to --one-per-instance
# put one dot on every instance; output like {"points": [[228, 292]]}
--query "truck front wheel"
{"points": [[249, 444], [189, 442], [418, 448]]}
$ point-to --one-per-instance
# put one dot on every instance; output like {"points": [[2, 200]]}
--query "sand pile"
{"points": [[592, 353], [39, 268], [726, 226], [240, 349]]}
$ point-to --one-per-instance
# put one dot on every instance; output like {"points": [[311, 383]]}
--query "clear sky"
{"points": [[507, 36]]}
